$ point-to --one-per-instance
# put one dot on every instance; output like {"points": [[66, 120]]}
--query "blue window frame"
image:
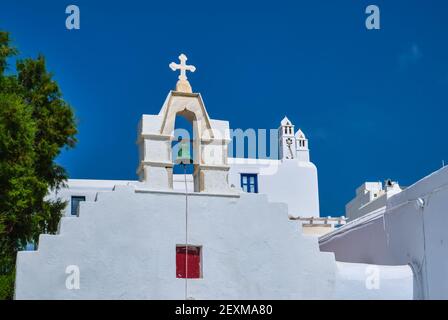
{"points": [[30, 246], [75, 204], [249, 182]]}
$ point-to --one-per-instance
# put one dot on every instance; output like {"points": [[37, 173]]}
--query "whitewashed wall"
{"points": [[291, 182], [411, 229], [124, 245], [358, 281], [88, 188]]}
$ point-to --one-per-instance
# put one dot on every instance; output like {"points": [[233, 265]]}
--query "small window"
{"points": [[30, 246], [188, 262], [75, 204], [249, 182]]}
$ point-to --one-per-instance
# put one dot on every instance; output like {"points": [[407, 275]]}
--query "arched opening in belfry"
{"points": [[184, 145]]}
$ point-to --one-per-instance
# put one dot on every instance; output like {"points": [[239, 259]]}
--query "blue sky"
{"points": [[373, 103]]}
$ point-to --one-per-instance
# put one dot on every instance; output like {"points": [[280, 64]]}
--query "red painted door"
{"points": [[190, 258]]}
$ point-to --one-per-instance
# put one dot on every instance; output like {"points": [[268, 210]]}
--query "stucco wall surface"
{"points": [[124, 246]]}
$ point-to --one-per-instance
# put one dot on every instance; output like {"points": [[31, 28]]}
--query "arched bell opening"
{"points": [[185, 146]]}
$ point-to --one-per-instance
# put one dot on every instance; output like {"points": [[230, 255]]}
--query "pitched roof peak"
{"points": [[286, 122], [300, 135]]}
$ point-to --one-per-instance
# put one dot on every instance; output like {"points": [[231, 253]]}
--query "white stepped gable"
{"points": [[124, 246]]}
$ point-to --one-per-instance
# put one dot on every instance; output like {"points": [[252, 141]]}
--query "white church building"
{"points": [[228, 230]]}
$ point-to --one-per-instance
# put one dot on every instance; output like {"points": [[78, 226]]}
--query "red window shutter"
{"points": [[190, 258]]}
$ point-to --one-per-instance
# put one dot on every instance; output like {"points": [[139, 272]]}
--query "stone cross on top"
{"points": [[182, 85]]}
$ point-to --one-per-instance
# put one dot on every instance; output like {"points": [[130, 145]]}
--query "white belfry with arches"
{"points": [[210, 140], [287, 150], [302, 151]]}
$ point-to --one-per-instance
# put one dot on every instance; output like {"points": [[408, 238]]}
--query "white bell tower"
{"points": [[303, 152], [287, 141], [210, 140]]}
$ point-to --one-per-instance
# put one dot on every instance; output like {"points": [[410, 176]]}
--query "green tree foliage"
{"points": [[35, 125]]}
